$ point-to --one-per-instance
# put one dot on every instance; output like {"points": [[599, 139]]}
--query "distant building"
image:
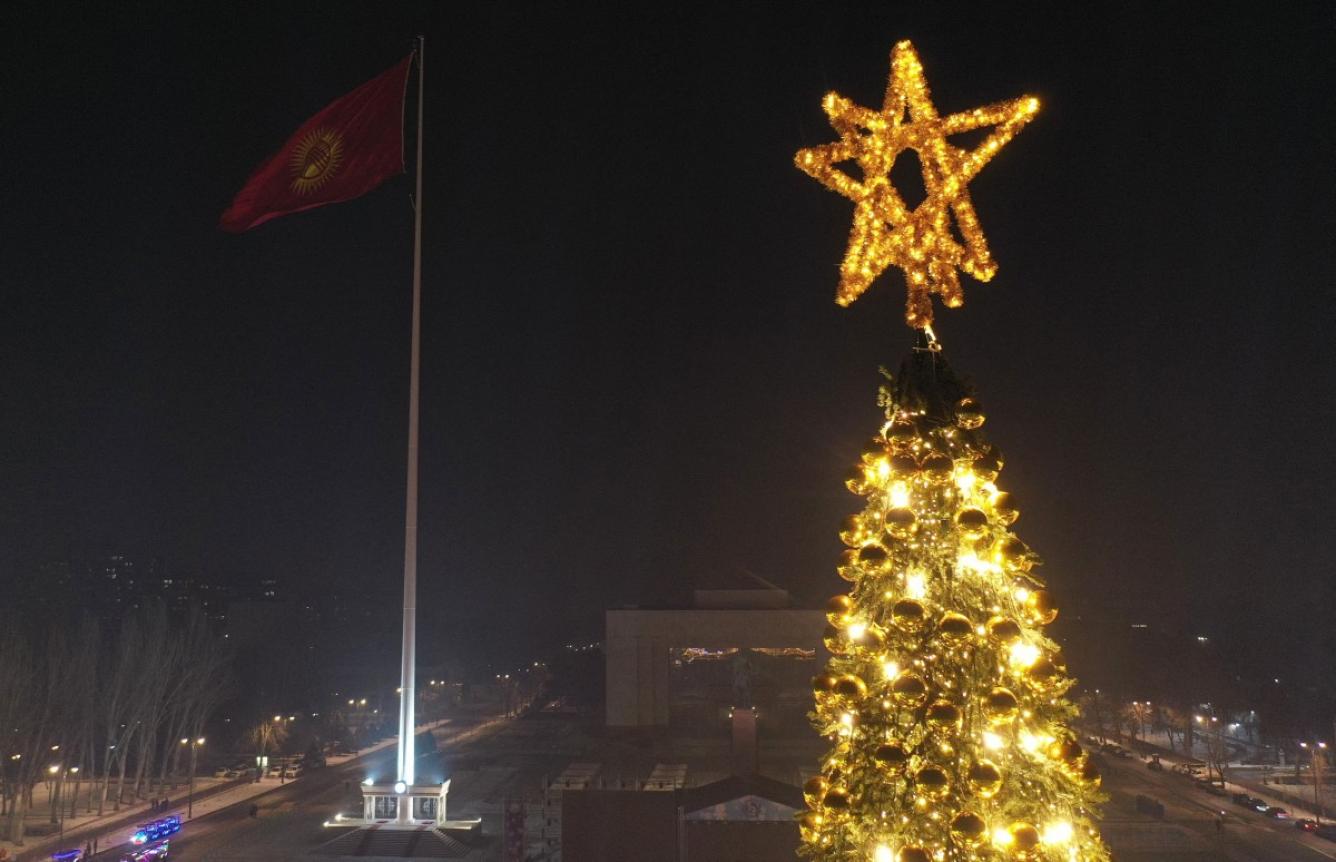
{"points": [[688, 667]]}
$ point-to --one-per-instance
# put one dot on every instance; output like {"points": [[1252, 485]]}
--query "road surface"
{"points": [[1190, 820], [289, 823]]}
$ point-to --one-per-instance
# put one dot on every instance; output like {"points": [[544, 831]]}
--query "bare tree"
{"points": [[267, 736]]}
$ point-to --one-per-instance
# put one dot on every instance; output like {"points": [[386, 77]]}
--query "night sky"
{"points": [[635, 379]]}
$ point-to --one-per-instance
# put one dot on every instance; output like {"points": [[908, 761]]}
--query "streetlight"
{"points": [[57, 804], [1315, 753], [195, 745]]}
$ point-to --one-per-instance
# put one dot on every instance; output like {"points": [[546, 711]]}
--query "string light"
{"points": [[886, 232]]}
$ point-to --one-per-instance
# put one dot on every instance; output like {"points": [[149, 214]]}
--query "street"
{"points": [[1190, 822], [289, 823]]}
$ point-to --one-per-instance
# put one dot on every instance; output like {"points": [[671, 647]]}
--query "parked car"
{"points": [[1277, 812], [221, 772], [1155, 764], [1305, 824], [1257, 805], [1242, 799], [1327, 831]]}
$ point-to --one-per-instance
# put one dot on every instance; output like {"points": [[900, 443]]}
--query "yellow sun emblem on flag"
{"points": [[316, 160]]}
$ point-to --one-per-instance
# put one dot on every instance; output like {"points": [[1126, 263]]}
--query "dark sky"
{"points": [[635, 378]]}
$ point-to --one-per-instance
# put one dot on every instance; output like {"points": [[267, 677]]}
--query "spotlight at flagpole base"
{"points": [[400, 787]]}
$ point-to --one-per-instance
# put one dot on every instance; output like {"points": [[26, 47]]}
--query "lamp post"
{"points": [[282, 766], [195, 745], [58, 807], [1140, 711], [1315, 752]]}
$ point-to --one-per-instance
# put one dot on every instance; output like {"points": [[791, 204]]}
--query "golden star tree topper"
{"points": [[886, 232]]}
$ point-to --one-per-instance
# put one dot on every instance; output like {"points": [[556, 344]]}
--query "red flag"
{"points": [[343, 152]]}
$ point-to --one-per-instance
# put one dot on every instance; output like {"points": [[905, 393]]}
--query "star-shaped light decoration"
{"points": [[886, 232]]}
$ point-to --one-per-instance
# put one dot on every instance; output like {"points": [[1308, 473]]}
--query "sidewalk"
{"points": [[114, 828]]}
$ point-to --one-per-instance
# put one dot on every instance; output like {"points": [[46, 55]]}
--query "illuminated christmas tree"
{"points": [[943, 700]]}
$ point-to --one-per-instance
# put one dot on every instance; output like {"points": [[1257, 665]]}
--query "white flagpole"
{"points": [[407, 688]]}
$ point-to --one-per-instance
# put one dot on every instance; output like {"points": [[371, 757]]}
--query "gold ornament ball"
{"points": [[987, 466], [873, 639], [938, 466], [1024, 837], [969, 414], [904, 465], [873, 554], [1000, 705], [856, 480], [1089, 773], [943, 714], [1004, 507], [909, 614], [823, 684], [891, 756], [852, 532], [901, 432], [1015, 552], [956, 627], [972, 522], [932, 782], [1004, 630], [815, 788], [1066, 749], [1044, 672], [913, 854], [909, 690], [969, 828], [1040, 607], [900, 521], [850, 686], [985, 779], [838, 609], [837, 799]]}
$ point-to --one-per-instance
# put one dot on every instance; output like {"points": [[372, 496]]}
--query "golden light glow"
{"points": [[1058, 832], [899, 495], [886, 232], [890, 669], [916, 585], [883, 854], [1024, 655], [992, 741]]}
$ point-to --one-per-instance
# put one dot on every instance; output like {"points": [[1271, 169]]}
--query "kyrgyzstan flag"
{"points": [[343, 152]]}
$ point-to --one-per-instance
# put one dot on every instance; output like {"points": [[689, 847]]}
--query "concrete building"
{"points": [[730, 648]]}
